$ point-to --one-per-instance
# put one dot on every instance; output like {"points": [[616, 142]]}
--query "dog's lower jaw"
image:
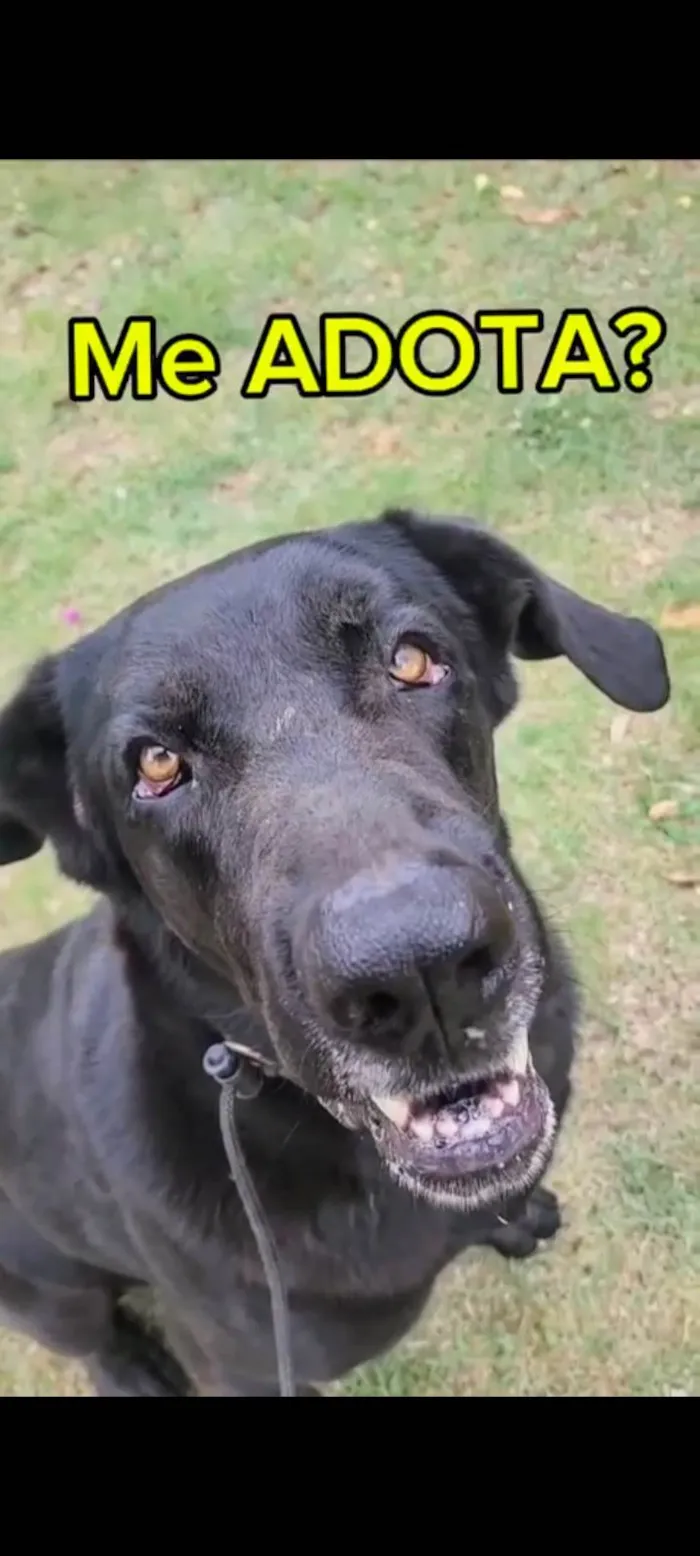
{"points": [[476, 1191], [481, 1191]]}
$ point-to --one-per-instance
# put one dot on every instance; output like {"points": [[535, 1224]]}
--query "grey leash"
{"points": [[238, 1078]]}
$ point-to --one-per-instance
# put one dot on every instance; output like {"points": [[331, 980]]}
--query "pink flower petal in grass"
{"points": [[71, 615]]}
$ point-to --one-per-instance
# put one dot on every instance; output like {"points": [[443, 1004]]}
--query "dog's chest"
{"points": [[379, 1243], [359, 1273]]}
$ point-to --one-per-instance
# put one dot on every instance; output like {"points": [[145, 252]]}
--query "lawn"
{"points": [[100, 501]]}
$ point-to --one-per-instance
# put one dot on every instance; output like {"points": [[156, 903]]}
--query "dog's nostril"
{"points": [[376, 1008], [479, 963], [381, 1006]]}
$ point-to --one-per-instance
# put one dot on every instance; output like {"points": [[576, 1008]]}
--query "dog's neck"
{"points": [[187, 986], [181, 1009]]}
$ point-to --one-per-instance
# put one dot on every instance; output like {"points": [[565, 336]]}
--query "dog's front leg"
{"points": [[214, 1309], [219, 1361]]}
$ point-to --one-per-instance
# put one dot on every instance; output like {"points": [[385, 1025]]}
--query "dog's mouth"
{"points": [[484, 1140], [461, 1141]]}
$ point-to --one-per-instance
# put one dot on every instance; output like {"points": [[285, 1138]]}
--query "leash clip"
{"points": [[224, 1064]]}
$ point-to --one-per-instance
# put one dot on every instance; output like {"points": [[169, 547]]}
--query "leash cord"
{"points": [[237, 1079]]}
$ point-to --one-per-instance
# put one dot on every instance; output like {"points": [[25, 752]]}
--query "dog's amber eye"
{"points": [[159, 769], [413, 666]]}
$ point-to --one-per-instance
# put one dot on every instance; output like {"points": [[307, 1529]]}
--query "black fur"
{"points": [[267, 671]]}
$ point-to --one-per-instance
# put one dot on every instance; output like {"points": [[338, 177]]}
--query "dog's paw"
{"points": [[538, 1221]]}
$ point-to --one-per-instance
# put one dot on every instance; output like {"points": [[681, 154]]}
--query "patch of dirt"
{"points": [[683, 165], [601, 256], [75, 286], [372, 441], [237, 486], [641, 539], [342, 167], [668, 404], [92, 447]]}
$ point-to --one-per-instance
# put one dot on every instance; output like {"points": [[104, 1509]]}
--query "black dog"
{"points": [[279, 774]]}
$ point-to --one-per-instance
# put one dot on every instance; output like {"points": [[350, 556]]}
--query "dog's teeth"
{"points": [[509, 1091], [446, 1126], [519, 1056], [422, 1126], [395, 1108]]}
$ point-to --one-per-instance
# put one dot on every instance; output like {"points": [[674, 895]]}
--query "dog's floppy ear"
{"points": [[37, 799], [34, 799], [531, 615]]}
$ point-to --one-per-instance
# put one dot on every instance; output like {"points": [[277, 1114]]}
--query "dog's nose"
{"points": [[397, 956]]}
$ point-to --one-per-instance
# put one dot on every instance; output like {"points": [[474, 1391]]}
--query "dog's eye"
{"points": [[412, 666], [159, 770]]}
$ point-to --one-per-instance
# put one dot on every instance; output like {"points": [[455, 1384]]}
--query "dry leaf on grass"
{"points": [[550, 216], [663, 810], [619, 728], [512, 192], [681, 618], [683, 878]]}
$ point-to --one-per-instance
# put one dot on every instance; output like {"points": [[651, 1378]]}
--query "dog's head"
{"points": [[289, 757]]}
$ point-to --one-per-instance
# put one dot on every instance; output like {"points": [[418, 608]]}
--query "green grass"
{"points": [[99, 502]]}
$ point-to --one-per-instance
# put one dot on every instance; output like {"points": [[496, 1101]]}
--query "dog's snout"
{"points": [[396, 955]]}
